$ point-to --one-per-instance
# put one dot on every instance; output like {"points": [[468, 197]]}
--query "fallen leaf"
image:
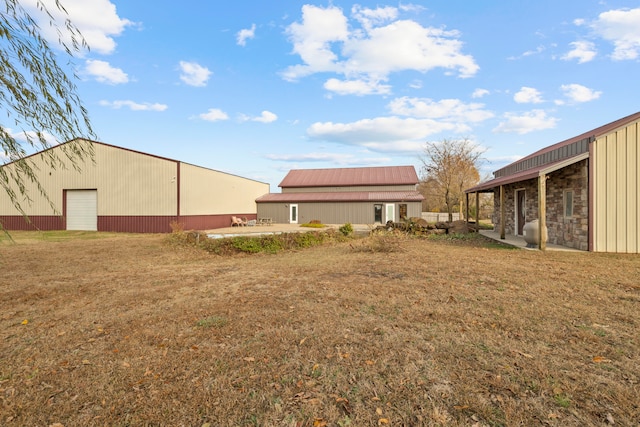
{"points": [[379, 411], [319, 422], [315, 367], [610, 419], [383, 421], [302, 340], [25, 321], [126, 364], [461, 407], [369, 362], [249, 359], [86, 362], [600, 359]]}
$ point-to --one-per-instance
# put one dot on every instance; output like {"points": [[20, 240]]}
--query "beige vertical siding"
{"points": [[205, 191], [617, 181], [53, 181], [131, 183]]}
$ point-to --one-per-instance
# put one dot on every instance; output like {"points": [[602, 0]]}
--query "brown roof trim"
{"points": [[586, 136], [344, 196], [341, 177], [527, 174]]}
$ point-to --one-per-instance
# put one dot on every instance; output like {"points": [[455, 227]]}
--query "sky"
{"points": [[257, 88]]}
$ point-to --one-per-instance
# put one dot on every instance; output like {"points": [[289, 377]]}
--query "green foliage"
{"points": [[39, 99], [346, 229], [271, 244], [313, 225]]}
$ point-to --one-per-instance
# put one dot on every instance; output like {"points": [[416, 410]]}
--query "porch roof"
{"points": [[345, 196], [526, 174]]}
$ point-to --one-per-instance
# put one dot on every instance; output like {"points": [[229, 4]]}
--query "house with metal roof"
{"points": [[366, 195], [583, 191], [129, 191]]}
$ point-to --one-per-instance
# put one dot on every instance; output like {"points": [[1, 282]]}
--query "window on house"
{"points": [[568, 203], [377, 213], [403, 211]]}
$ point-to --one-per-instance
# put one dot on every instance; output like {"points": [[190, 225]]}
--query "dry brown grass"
{"points": [[130, 330]]}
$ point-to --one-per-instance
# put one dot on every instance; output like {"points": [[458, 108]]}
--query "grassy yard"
{"points": [[128, 330]]}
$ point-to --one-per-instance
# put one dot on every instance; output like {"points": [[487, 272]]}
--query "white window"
{"points": [[568, 203]]}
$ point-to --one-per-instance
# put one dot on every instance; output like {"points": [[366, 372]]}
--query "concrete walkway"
{"points": [[519, 242]]}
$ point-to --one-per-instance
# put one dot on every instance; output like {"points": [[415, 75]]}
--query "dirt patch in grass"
{"points": [[131, 330]]}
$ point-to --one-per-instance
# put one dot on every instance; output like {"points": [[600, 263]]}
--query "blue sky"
{"points": [[257, 88]]}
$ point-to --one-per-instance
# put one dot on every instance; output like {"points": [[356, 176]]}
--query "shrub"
{"points": [[346, 229]]}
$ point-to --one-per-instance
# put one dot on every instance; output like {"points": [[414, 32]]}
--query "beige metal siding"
{"points": [[53, 181], [129, 183], [209, 192], [349, 189], [617, 181], [132, 183]]}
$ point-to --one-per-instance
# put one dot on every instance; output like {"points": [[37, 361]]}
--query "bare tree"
{"points": [[448, 168], [38, 99]]}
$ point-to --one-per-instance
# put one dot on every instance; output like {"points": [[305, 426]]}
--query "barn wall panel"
{"points": [[36, 222], [135, 184], [616, 206], [208, 192]]}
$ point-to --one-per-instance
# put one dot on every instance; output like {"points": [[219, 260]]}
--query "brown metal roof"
{"points": [[340, 177], [594, 133], [504, 177], [345, 196], [526, 174]]}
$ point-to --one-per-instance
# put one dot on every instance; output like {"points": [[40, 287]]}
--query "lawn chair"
{"points": [[237, 222]]}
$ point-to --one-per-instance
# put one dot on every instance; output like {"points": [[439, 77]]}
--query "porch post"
{"points": [[478, 210], [467, 210], [542, 210], [502, 212]]}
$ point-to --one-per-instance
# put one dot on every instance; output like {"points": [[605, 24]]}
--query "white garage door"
{"points": [[82, 210]]}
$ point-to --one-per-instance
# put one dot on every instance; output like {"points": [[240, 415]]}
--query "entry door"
{"points": [[390, 210], [82, 210], [293, 214], [520, 211]]}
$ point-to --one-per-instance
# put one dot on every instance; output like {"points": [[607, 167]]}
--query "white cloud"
{"points": [[385, 134], [528, 95], [264, 117], [576, 93], [326, 41], [525, 123], [336, 158], [447, 110], [356, 87], [214, 115], [194, 74], [369, 18], [313, 37], [245, 34], [479, 93], [622, 28], [583, 51], [103, 72], [97, 20], [134, 106]]}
